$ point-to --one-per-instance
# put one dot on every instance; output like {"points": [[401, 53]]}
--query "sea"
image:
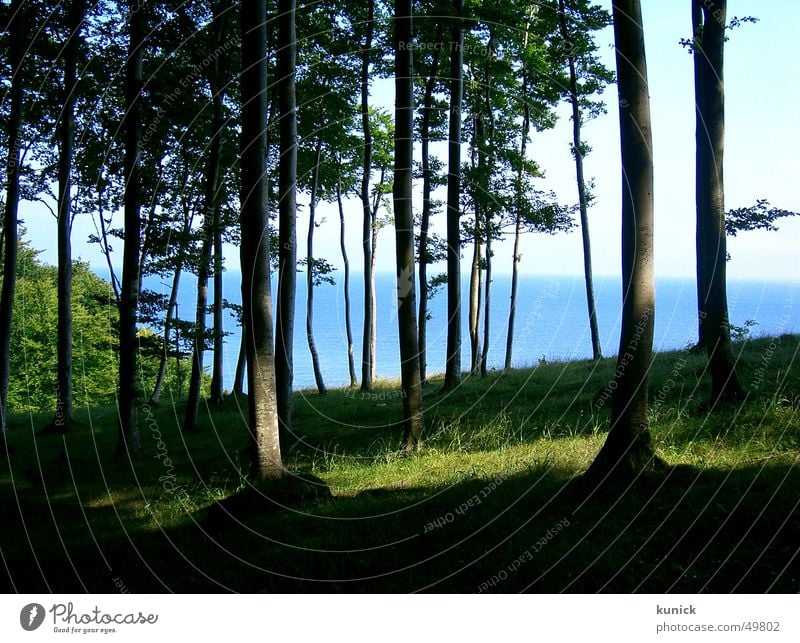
{"points": [[552, 322]]}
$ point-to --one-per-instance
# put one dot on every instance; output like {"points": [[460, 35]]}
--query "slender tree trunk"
{"points": [[129, 441], [217, 376], [63, 411], [241, 362], [346, 262], [367, 354], [312, 208], [628, 450], [577, 150], [486, 305], [488, 160], [256, 289], [452, 377], [427, 106], [404, 226], [164, 357], [714, 324], [106, 249], [209, 207], [287, 212], [512, 310], [475, 302]]}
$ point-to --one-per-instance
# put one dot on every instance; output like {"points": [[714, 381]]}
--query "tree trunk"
{"points": [[312, 208], [486, 302], [487, 158], [209, 207], [452, 376], [256, 288], [241, 362], [348, 327], [713, 313], [367, 355], [63, 411], [700, 147], [577, 148], [129, 441], [422, 253], [512, 309], [475, 302], [628, 450], [217, 376], [404, 226], [162, 360], [16, 47], [287, 212]]}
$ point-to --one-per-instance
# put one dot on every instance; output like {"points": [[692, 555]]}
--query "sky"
{"points": [[760, 160]]}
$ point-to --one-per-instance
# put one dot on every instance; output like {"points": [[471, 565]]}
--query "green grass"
{"points": [[493, 502]]}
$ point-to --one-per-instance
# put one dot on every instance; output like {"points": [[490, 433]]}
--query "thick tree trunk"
{"points": [[287, 213], [312, 209], [367, 354], [63, 411], [486, 306], [164, 357], [577, 148], [713, 313], [452, 377], [256, 288], [16, 47], [700, 147], [628, 450], [404, 226], [422, 253], [346, 261], [129, 441]]}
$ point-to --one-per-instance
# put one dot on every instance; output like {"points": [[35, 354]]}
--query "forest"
{"points": [[180, 131]]}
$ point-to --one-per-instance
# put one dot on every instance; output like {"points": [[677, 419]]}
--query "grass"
{"points": [[493, 502]]}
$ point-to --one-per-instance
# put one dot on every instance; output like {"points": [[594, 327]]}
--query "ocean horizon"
{"points": [[552, 321]]}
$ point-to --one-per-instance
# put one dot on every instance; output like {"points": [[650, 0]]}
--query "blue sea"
{"points": [[551, 322]]}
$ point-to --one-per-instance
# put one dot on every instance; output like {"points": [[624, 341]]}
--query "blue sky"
{"points": [[760, 159]]}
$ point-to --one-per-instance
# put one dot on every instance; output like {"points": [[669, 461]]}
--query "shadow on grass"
{"points": [[692, 531]]}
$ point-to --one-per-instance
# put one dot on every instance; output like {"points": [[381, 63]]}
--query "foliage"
{"points": [[755, 217]]}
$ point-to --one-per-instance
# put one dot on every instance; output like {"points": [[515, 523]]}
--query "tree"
{"points": [[129, 296], [452, 376], [367, 356], [211, 208], [16, 49], [287, 212], [579, 51], [628, 449], [404, 226], [256, 288], [708, 22]]}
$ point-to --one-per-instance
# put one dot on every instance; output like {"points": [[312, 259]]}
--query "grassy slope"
{"points": [[478, 509]]}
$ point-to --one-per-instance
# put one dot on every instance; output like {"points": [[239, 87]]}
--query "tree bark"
{"points": [[628, 450], [287, 212], [129, 441], [475, 302], [452, 376], [404, 226], [256, 288], [241, 362], [367, 355], [583, 205], [312, 209], [346, 262], [712, 258], [424, 227], [217, 375], [63, 411], [16, 47]]}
